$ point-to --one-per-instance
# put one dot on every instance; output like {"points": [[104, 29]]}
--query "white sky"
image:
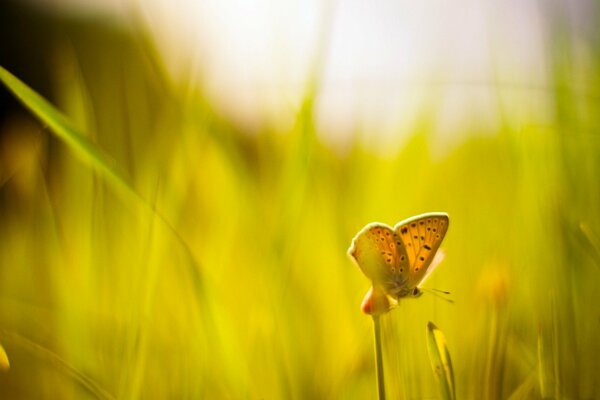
{"points": [[383, 60]]}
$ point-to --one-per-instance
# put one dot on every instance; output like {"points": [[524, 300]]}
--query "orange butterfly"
{"points": [[398, 260]]}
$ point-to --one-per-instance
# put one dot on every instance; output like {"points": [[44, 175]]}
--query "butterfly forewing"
{"points": [[380, 254], [422, 236]]}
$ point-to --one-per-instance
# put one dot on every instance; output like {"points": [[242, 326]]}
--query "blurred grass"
{"points": [[441, 363], [4, 362], [266, 304]]}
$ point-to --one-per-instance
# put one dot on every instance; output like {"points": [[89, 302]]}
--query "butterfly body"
{"points": [[399, 259]]}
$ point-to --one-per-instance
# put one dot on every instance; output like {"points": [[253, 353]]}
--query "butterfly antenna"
{"points": [[436, 292], [440, 291]]}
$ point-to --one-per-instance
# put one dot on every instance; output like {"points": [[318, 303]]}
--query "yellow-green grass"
{"points": [[225, 274]]}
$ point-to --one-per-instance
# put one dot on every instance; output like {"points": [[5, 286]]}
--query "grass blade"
{"points": [[4, 363], [548, 362], [62, 128], [527, 389], [85, 382], [440, 361], [379, 358], [86, 150]]}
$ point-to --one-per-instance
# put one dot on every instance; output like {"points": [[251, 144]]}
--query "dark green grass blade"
{"points": [[62, 128], [440, 361]]}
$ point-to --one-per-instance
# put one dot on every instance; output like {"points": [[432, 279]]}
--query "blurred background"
{"points": [[266, 134]]}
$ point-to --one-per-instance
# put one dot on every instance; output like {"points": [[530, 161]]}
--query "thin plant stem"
{"points": [[379, 358]]}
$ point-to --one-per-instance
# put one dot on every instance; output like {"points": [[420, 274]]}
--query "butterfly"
{"points": [[398, 260]]}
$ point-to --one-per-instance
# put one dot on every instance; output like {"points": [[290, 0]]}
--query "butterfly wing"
{"points": [[421, 236], [380, 254], [437, 259]]}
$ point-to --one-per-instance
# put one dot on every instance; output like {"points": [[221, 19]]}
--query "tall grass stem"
{"points": [[379, 358]]}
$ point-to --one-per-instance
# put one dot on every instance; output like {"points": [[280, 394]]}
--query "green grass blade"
{"points": [[86, 383], [548, 361], [379, 358], [4, 363], [440, 361], [62, 128], [86, 150], [527, 389]]}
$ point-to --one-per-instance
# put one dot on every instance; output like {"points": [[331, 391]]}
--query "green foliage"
{"points": [[59, 125], [441, 363], [247, 291]]}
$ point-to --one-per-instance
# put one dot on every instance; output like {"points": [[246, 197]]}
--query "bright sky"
{"points": [[382, 61]]}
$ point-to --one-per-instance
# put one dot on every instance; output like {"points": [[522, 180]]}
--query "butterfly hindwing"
{"points": [[422, 236]]}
